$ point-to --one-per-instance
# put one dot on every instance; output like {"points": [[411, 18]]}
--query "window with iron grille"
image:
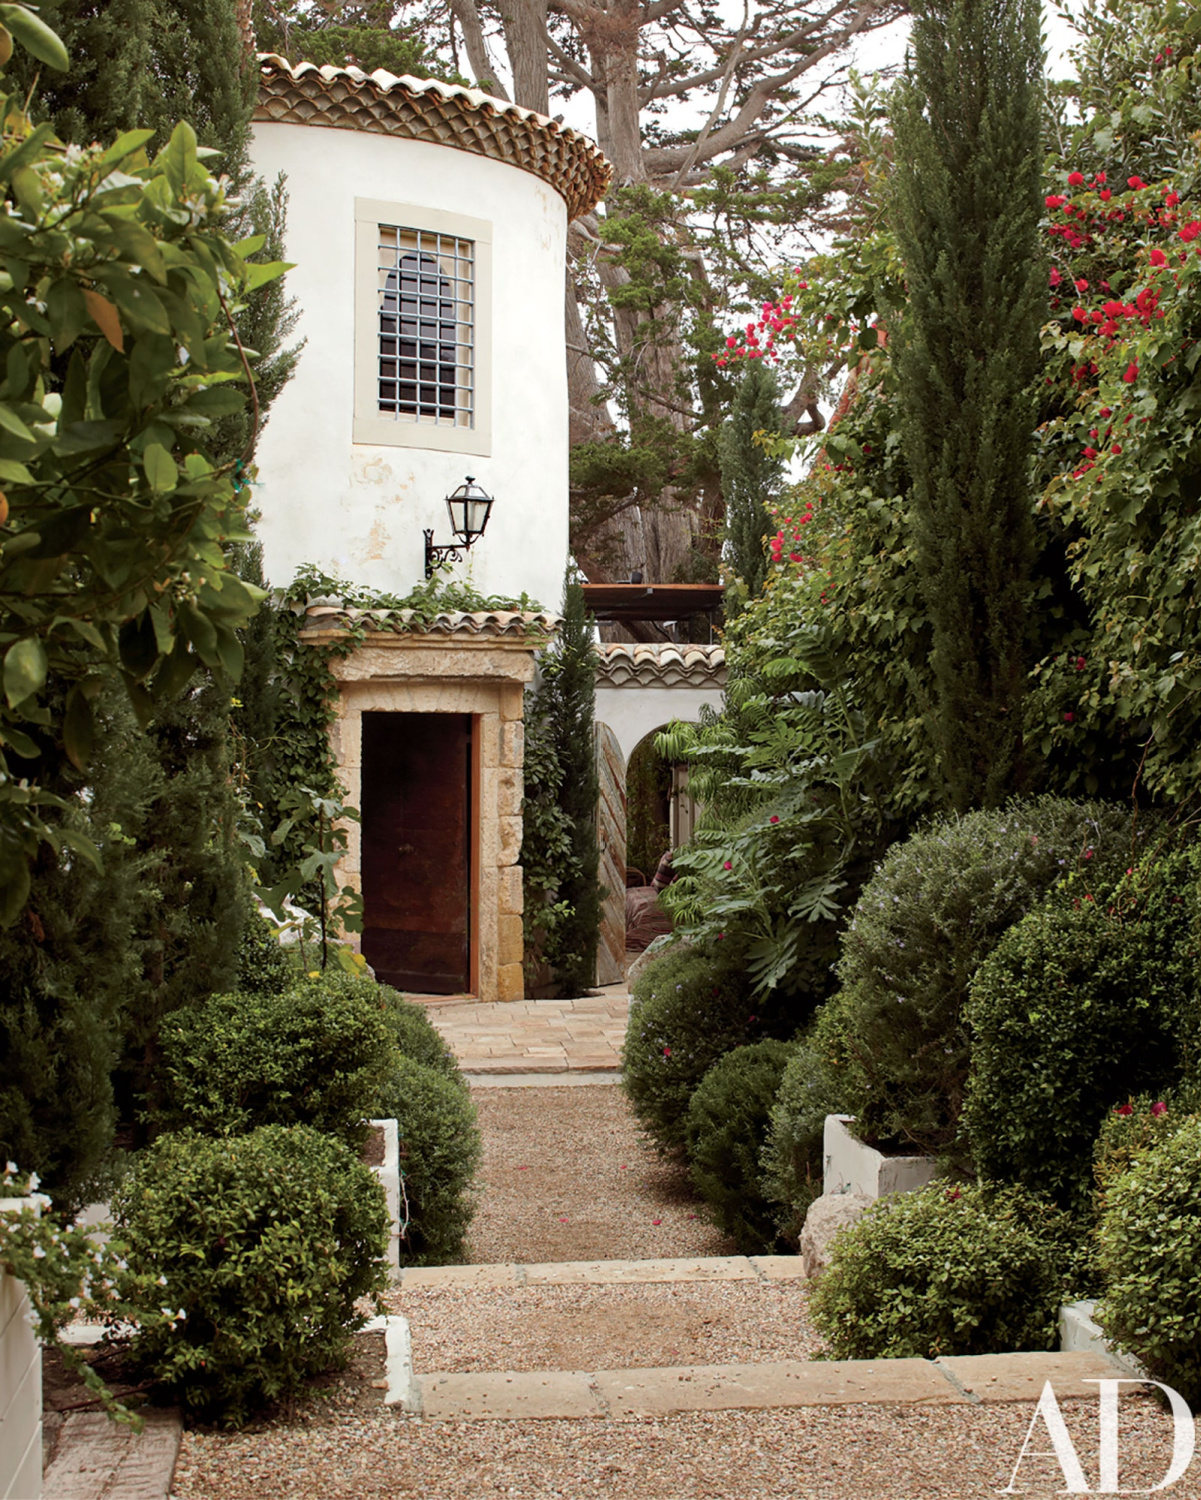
{"points": [[426, 326]]}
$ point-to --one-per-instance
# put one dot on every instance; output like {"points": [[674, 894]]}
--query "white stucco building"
{"points": [[428, 228]]}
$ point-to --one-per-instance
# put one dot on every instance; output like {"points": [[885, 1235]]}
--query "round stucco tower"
{"points": [[428, 229]]}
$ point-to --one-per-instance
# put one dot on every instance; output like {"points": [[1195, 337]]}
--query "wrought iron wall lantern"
{"points": [[469, 509]]}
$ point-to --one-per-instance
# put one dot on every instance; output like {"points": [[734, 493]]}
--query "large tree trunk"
{"points": [[525, 41]]}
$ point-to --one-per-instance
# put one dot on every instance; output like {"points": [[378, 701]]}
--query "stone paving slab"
{"points": [[535, 1036], [98, 1459], [491, 1276], [504, 1398], [527, 1080], [779, 1267], [1020, 1377], [631, 1272], [655, 1393]]}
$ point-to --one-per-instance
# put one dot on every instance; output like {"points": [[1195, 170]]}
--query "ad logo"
{"points": [[1062, 1449]]}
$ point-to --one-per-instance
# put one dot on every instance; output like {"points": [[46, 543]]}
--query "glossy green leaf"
{"points": [[25, 667]]}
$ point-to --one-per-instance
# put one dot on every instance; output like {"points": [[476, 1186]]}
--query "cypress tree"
{"points": [[967, 118], [570, 677], [750, 477]]}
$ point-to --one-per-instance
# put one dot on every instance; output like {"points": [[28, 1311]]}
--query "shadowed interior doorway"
{"points": [[416, 841]]}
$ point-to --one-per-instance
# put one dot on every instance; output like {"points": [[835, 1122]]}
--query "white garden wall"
{"points": [[20, 1386]]}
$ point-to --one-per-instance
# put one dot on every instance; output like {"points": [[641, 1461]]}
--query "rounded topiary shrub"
{"points": [[950, 1269], [935, 909], [414, 1034], [1081, 1004], [440, 1154], [724, 1132], [687, 1009], [1150, 1249], [794, 1152], [264, 967], [263, 1243], [314, 1055]]}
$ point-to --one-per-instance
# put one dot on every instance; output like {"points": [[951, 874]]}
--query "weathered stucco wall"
{"points": [[358, 510]]}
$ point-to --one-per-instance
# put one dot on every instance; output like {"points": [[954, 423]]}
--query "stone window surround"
{"points": [[370, 425], [485, 677]]}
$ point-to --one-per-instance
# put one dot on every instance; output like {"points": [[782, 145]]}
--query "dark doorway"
{"points": [[417, 850]]}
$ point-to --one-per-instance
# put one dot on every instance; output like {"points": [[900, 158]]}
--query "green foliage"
{"points": [[559, 855], [314, 1055], [440, 1152], [66, 1274], [688, 1008], [725, 1129], [960, 1269], [1080, 1005], [320, 822], [794, 1153], [263, 964], [967, 117], [130, 267], [1126, 1132], [648, 815], [936, 907], [412, 1032], [262, 1246], [316, 36], [750, 476], [1150, 1245], [785, 776]]}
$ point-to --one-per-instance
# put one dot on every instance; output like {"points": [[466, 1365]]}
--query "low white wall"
{"points": [[852, 1167], [20, 1385]]}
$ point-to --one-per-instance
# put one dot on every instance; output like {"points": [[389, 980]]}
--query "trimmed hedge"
{"points": [[934, 910], [724, 1133], [1150, 1249], [949, 1269], [264, 1243], [440, 1153], [688, 1008], [794, 1152], [314, 1055]]}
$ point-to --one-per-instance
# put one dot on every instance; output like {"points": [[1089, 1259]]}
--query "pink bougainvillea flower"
{"points": [[1159, 1109], [1069, 718], [727, 865], [773, 819], [656, 1221], [562, 1221], [1080, 664]]}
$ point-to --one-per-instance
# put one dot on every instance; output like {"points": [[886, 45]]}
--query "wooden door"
{"points": [[417, 850]]}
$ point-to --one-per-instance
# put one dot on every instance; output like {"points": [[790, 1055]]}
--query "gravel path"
{"points": [[816, 1453], [567, 1175], [467, 1329]]}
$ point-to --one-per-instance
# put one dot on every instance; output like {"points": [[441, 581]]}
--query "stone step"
{"points": [[615, 1394], [99, 1459], [609, 1272]]}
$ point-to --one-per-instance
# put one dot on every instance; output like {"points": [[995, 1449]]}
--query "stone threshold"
{"points": [[986, 1379], [546, 1078]]}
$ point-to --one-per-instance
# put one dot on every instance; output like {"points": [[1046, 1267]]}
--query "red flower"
{"points": [[1100, 177], [1124, 1109], [1136, 183], [1191, 231], [1069, 718], [1131, 374], [727, 865], [1082, 285], [1054, 200], [1158, 258], [1075, 179], [1080, 664], [1105, 195], [773, 819], [1159, 1110], [667, 1052], [1117, 448], [1171, 200]]}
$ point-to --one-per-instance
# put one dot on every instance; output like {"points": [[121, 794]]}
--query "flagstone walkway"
{"points": [[524, 1041]]}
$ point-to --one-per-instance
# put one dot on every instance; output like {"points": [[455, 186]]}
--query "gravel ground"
{"points": [[467, 1329], [568, 1175], [842, 1453]]}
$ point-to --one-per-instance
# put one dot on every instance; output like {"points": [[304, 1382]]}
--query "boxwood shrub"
{"points": [[314, 1055], [1150, 1249], [794, 1152], [688, 1008], [935, 909], [440, 1154], [264, 1243], [724, 1132], [949, 1269], [1082, 1004]]}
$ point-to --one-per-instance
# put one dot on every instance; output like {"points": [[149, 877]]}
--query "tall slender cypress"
{"points": [[966, 119], [750, 476]]}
